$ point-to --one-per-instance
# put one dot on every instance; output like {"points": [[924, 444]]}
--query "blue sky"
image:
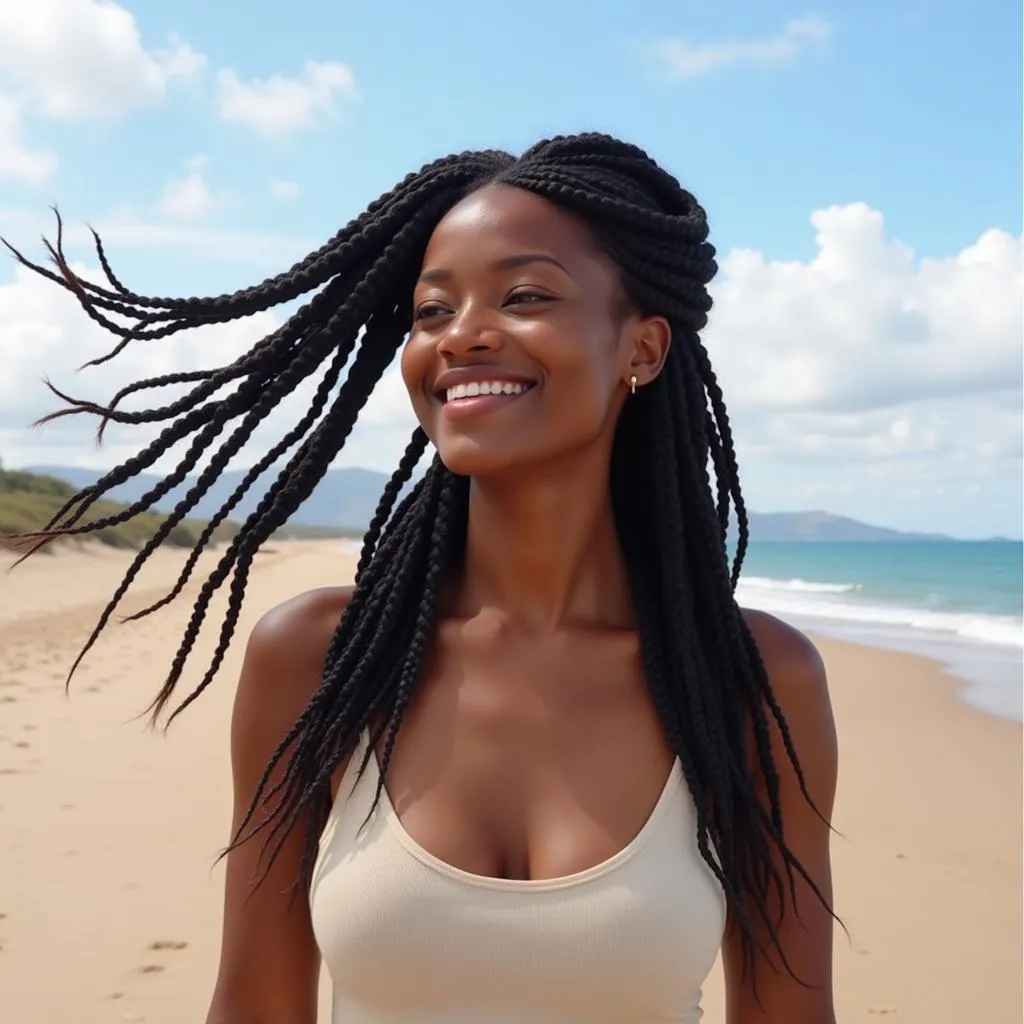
{"points": [[911, 106], [902, 117]]}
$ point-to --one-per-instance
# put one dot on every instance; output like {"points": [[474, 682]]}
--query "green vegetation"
{"points": [[29, 500]]}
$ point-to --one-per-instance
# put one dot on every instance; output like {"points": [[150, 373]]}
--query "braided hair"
{"points": [[705, 674]]}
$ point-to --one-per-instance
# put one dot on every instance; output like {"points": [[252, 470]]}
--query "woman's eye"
{"points": [[529, 297], [432, 310], [426, 311]]}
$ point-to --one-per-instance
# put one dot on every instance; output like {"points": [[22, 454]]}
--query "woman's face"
{"points": [[520, 351]]}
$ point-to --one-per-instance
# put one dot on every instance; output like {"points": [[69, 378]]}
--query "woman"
{"points": [[598, 768]]}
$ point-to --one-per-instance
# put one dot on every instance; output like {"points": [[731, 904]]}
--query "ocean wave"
{"points": [[799, 585], [784, 600]]}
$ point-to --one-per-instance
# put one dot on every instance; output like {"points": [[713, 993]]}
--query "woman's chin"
{"points": [[468, 457], [515, 456]]}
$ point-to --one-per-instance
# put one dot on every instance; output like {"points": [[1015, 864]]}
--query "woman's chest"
{"points": [[529, 761]]}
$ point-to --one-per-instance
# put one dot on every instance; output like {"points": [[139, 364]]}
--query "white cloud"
{"points": [[44, 333], [681, 58], [189, 198], [863, 380], [17, 161], [284, 190], [951, 464], [278, 106], [866, 325], [870, 381], [85, 58], [43, 330]]}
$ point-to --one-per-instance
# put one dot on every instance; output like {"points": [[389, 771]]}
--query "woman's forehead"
{"points": [[501, 218]]}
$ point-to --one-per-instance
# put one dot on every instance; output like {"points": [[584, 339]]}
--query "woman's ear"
{"points": [[652, 337]]}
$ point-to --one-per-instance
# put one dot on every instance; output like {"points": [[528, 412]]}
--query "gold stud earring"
{"points": [[632, 384]]}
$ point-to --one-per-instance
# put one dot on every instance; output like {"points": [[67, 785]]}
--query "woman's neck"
{"points": [[543, 552]]}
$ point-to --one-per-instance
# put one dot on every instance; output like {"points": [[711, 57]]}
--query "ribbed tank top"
{"points": [[409, 939]]}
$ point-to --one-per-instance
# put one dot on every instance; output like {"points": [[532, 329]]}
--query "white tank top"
{"points": [[409, 939]]}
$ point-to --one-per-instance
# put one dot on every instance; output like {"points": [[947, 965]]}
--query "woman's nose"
{"points": [[470, 331]]}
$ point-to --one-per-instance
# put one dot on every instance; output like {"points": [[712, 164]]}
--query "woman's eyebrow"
{"points": [[439, 275]]}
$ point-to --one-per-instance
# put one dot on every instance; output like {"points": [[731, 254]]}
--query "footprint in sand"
{"points": [[162, 944]]}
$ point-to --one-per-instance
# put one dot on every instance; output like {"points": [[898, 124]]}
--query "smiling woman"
{"points": [[537, 764]]}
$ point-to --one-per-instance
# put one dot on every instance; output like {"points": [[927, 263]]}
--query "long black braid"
{"points": [[705, 674]]}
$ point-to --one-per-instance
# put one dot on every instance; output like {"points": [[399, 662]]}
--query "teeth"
{"points": [[485, 387]]}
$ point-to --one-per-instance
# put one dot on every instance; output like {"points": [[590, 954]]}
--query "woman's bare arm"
{"points": [[269, 963], [805, 933]]}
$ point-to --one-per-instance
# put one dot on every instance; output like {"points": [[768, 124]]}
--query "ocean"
{"points": [[959, 602]]}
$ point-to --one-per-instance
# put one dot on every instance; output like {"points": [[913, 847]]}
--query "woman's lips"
{"points": [[478, 404]]}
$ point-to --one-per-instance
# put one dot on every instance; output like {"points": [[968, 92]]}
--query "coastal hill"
{"points": [[345, 499], [29, 499], [823, 526]]}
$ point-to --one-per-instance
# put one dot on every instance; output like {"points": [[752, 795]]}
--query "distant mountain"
{"points": [[346, 499], [823, 526]]}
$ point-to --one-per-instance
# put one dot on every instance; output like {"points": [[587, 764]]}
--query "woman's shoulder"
{"points": [[310, 618], [791, 659], [799, 684], [285, 652]]}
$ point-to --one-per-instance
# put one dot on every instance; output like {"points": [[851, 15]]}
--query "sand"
{"points": [[110, 901]]}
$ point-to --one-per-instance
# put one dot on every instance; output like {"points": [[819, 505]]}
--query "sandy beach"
{"points": [[110, 901]]}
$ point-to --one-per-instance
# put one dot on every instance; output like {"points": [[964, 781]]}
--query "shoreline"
{"points": [[103, 819], [994, 691]]}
